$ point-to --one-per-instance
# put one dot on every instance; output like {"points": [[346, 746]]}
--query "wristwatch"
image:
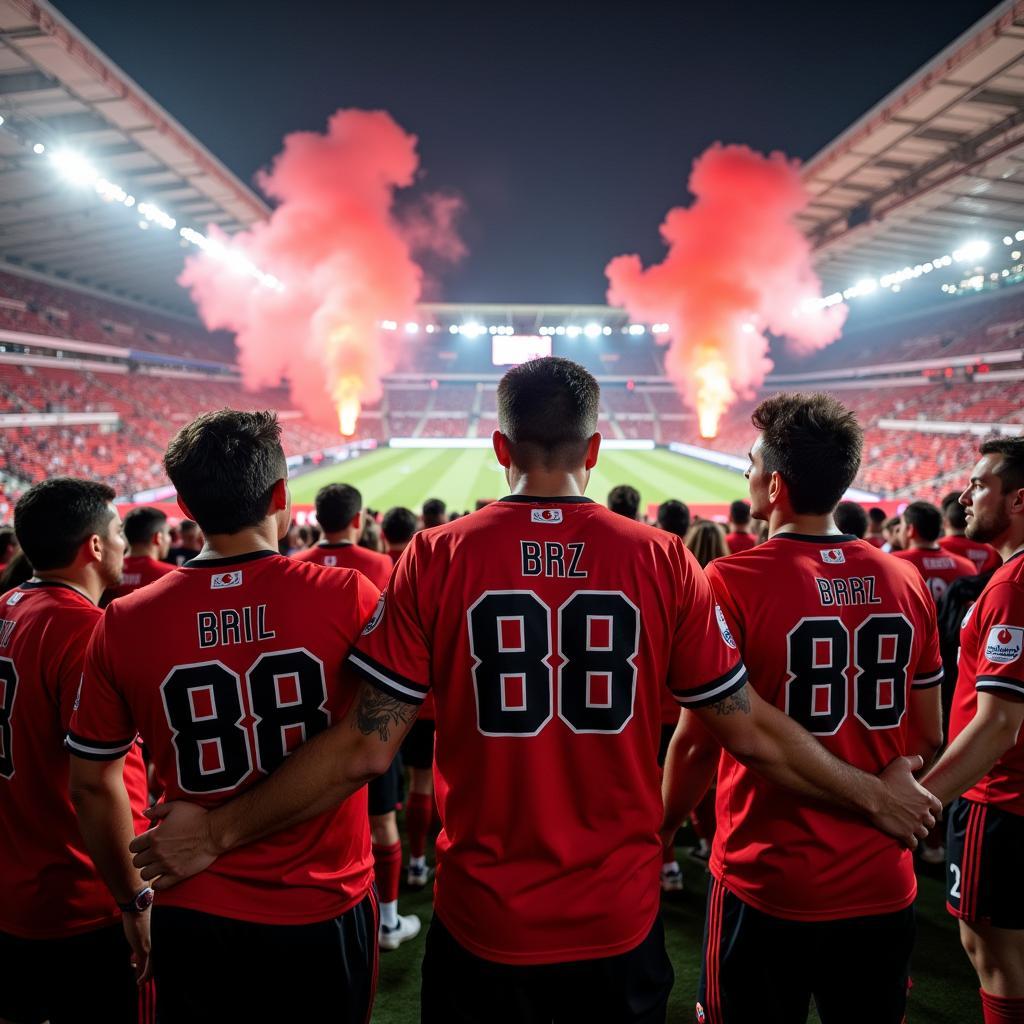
{"points": [[141, 902]]}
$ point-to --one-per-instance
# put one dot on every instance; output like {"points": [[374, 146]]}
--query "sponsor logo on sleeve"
{"points": [[378, 614], [1004, 644], [724, 629], [545, 515], [833, 556], [224, 580], [15, 597], [700, 1014], [78, 693], [967, 617]]}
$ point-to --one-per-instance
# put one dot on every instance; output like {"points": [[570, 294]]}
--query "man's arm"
{"points": [[992, 731], [105, 821], [690, 764], [925, 710], [764, 739], [319, 775]]}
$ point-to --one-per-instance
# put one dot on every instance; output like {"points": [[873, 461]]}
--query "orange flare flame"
{"points": [[346, 396], [714, 393]]}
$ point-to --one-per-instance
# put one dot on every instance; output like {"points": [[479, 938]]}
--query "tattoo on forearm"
{"points": [[377, 712], [735, 702]]}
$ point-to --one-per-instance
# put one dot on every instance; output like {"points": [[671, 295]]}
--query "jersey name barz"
{"points": [[233, 626], [549, 558], [852, 590]]}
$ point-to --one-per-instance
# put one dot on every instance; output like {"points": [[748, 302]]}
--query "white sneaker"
{"points": [[408, 927], [417, 878], [672, 880], [933, 854]]}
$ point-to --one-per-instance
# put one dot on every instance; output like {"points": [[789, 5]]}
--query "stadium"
{"points": [[914, 224]]}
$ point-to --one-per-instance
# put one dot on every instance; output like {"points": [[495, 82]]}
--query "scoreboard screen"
{"points": [[518, 348]]}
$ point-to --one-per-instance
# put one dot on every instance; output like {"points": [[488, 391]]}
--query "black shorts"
{"points": [[85, 977], [984, 853], [757, 967], [418, 745], [385, 791], [460, 988], [214, 969], [667, 732]]}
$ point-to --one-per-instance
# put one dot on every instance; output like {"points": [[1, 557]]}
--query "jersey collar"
{"points": [[336, 544], [39, 584], [219, 563], [815, 538], [528, 499]]}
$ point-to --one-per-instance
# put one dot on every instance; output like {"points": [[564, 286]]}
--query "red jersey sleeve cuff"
{"points": [[97, 750], [386, 679], [715, 690], [926, 680], [1000, 685]]}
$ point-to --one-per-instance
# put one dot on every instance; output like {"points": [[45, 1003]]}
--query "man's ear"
{"points": [[278, 497], [184, 509], [502, 451], [593, 448], [776, 488]]}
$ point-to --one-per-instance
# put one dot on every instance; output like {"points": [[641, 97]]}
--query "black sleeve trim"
{"points": [[715, 690], [386, 679], [926, 680], [97, 750], [993, 684]]}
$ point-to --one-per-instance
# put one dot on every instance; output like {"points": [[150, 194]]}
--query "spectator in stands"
{"points": [[954, 523], [399, 528], [149, 541], [625, 501], [739, 537], [674, 517], [8, 546], [851, 518], [434, 510], [19, 570], [706, 541], [291, 543], [892, 534], [920, 527], [876, 525], [370, 538], [189, 545]]}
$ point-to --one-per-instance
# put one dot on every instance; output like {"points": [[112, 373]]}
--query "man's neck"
{"points": [[396, 549], [740, 529], [262, 537], [341, 537], [950, 532], [1010, 542], [543, 484], [787, 521], [142, 551], [925, 545], [85, 583]]}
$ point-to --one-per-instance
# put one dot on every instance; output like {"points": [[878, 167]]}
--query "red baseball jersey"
{"points": [[346, 555], [984, 556], [546, 632], [876, 540], [50, 887], [740, 542], [835, 633], [938, 568], [992, 661], [225, 666], [138, 571]]}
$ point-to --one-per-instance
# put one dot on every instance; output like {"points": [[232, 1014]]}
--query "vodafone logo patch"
{"points": [[1004, 644], [723, 628], [545, 515], [223, 580]]}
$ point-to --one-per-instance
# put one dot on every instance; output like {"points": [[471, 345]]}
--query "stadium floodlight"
{"points": [[592, 330], [471, 329], [572, 331], [39, 149], [453, 329], [74, 167], [430, 328], [1007, 239], [1015, 255], [559, 330], [2, 119], [1019, 235], [412, 328], [637, 330], [974, 250], [388, 325], [606, 330]]}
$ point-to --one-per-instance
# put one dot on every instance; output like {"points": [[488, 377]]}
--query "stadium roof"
{"points": [[937, 162], [57, 89]]}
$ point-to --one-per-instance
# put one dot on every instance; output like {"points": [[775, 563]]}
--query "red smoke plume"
{"points": [[345, 257], [737, 267]]}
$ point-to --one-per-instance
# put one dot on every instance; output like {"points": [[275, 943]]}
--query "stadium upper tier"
{"points": [[924, 388]]}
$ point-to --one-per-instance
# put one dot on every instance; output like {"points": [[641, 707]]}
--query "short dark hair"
{"points": [[55, 518], [8, 542], [814, 443], [141, 523], [674, 517], [739, 512], [336, 506], [851, 518], [547, 408], [1011, 468], [624, 500], [224, 466], [398, 525], [953, 512], [434, 510], [187, 526], [925, 518], [877, 515]]}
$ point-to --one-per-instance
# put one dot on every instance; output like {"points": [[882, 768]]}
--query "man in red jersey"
{"points": [[876, 525], [149, 541], [226, 666], [546, 626], [983, 766], [63, 951], [808, 899], [739, 537], [920, 526], [398, 527], [339, 511], [954, 523]]}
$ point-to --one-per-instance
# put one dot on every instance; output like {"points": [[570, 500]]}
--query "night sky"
{"points": [[568, 133]]}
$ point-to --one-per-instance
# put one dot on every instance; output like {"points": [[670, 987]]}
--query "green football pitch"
{"points": [[408, 476]]}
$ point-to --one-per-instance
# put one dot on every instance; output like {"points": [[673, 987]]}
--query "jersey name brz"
{"points": [[549, 558]]}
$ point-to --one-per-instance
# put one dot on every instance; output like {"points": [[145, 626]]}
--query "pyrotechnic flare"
{"points": [[345, 258], [737, 269]]}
